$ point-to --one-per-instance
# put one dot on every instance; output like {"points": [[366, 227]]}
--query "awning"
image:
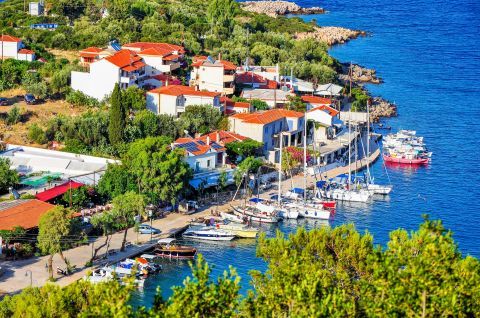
{"points": [[58, 190]]}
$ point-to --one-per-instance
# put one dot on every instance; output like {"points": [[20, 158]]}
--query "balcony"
{"points": [[126, 79], [167, 68], [228, 78], [228, 90]]}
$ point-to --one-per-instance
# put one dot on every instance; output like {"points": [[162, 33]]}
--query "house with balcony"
{"points": [[268, 126], [13, 48], [160, 57], [173, 99], [327, 123], [213, 75], [124, 67]]}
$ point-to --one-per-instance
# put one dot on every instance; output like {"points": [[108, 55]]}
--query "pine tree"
{"points": [[117, 117]]}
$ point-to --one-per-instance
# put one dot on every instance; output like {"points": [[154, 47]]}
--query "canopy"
{"points": [[165, 241], [58, 190], [321, 184], [38, 181], [297, 190], [256, 200]]}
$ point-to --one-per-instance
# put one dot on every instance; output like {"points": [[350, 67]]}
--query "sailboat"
{"points": [[347, 192], [287, 212]]}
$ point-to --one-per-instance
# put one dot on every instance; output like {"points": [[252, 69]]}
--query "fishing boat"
{"points": [[282, 210], [166, 249], [254, 214], [406, 159], [209, 235]]}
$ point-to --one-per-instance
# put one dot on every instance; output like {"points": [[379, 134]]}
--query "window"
{"points": [[197, 166], [208, 163]]}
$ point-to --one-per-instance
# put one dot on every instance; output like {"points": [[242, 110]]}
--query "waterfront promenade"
{"points": [[20, 274]]}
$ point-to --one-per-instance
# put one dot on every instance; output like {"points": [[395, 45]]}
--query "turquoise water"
{"points": [[427, 53]]}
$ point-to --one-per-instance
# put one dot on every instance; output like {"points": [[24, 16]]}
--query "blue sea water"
{"points": [[427, 52]]}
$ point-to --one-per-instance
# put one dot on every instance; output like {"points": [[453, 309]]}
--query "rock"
{"points": [[360, 74], [381, 108], [275, 8], [331, 35]]}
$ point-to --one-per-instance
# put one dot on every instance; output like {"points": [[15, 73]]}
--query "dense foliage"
{"points": [[8, 177], [325, 272]]}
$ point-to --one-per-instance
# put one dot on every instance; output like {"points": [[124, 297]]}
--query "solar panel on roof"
{"points": [[216, 146], [201, 142]]}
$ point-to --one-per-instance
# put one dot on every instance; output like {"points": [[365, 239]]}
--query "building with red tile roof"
{"points": [[221, 137], [173, 99], [13, 48], [90, 55], [266, 126], [326, 118], [202, 154], [23, 213], [315, 101], [142, 46], [213, 75], [231, 107]]}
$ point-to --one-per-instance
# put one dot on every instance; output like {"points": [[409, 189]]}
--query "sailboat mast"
{"points": [[368, 141], [305, 157], [280, 170], [349, 146]]}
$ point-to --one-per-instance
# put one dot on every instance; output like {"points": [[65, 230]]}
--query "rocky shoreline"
{"points": [[331, 35], [359, 74], [276, 8], [381, 108]]}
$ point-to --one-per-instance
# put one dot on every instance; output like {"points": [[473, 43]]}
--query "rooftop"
{"points": [[58, 190], [9, 38], [126, 60], [230, 103], [26, 51], [266, 94], [268, 116], [327, 109], [24, 213], [316, 100], [177, 90], [222, 137], [197, 146], [249, 77], [209, 61], [141, 46]]}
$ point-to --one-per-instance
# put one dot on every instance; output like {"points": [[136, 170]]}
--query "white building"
{"points": [[266, 126], [315, 101], [124, 67], [12, 47], [200, 155], [173, 99], [326, 118], [273, 97], [36, 8], [213, 75]]}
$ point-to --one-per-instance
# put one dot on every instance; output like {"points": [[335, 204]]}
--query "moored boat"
{"points": [[166, 249], [254, 214], [410, 160], [209, 235]]}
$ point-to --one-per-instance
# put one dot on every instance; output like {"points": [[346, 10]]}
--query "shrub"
{"points": [[78, 98], [13, 116], [36, 134]]}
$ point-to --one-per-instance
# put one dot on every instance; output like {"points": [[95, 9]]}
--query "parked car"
{"points": [[147, 229], [29, 99], [4, 101]]}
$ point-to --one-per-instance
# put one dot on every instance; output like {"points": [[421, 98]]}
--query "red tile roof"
{"points": [[24, 213], [270, 85], [25, 51], [126, 60], [195, 146], [222, 137], [316, 100], [268, 116], [329, 110], [58, 190], [171, 57], [224, 100], [164, 77], [91, 49], [249, 77], [199, 60], [177, 90], [9, 38], [162, 46]]}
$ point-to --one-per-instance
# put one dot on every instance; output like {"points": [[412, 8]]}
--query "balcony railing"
{"points": [[228, 78]]}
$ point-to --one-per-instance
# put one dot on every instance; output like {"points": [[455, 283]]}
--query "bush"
{"points": [[36, 134], [78, 98], [13, 116]]}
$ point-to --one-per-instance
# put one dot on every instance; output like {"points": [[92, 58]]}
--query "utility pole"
{"points": [[275, 94]]}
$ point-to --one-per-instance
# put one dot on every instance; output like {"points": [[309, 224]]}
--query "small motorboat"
{"points": [[409, 160], [209, 235], [166, 249]]}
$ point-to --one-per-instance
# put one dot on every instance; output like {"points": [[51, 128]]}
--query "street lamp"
{"points": [[150, 208], [26, 275]]}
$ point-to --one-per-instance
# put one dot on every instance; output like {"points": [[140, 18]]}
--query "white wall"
{"points": [[202, 161], [26, 57], [99, 83], [211, 78], [154, 64], [10, 49]]}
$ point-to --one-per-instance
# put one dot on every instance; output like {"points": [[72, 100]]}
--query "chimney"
{"points": [[196, 88], [208, 140], [217, 136], [219, 56], [166, 82]]}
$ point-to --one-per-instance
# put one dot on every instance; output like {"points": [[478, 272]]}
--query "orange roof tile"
{"points": [[195, 147], [329, 110], [123, 58], [146, 45], [222, 137], [91, 49], [9, 38], [24, 213], [25, 51], [250, 77], [155, 52], [177, 90], [268, 116], [199, 60], [316, 100], [224, 100], [171, 57]]}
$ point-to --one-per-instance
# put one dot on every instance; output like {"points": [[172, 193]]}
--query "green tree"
{"points": [[295, 103], [117, 117], [108, 224], [34, 84], [160, 171], [133, 98], [13, 116], [200, 119], [11, 235], [249, 165], [8, 177], [147, 122], [115, 181], [245, 148], [36, 134], [222, 12], [169, 126], [53, 229], [200, 296], [76, 198], [125, 208], [258, 104]]}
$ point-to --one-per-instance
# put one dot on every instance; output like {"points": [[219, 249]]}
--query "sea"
{"points": [[427, 52]]}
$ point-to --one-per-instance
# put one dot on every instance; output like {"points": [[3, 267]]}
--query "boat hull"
{"points": [[177, 254], [208, 237], [405, 161], [255, 217], [345, 195]]}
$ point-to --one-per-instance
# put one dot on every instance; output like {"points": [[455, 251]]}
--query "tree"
{"points": [[13, 116], [245, 148], [169, 126], [222, 12], [76, 198], [36, 134], [115, 181], [53, 228], [125, 208], [117, 117], [200, 119], [147, 122], [200, 296], [295, 103], [107, 223], [8, 177], [11, 235], [249, 165], [72, 9], [258, 104], [133, 98], [34, 84], [160, 172]]}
